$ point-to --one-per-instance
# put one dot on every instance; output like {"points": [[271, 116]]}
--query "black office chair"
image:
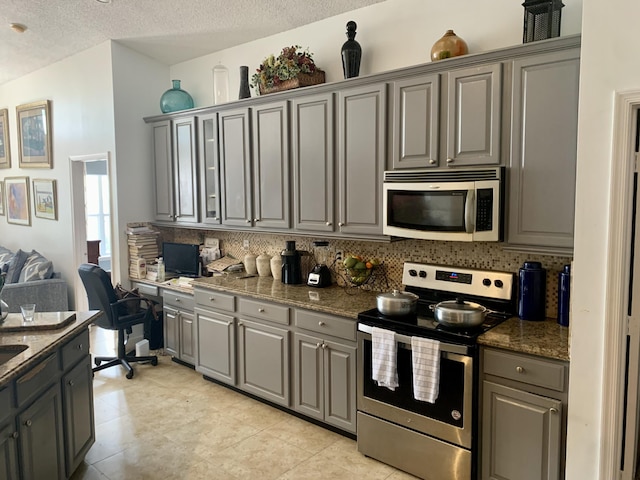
{"points": [[102, 296]]}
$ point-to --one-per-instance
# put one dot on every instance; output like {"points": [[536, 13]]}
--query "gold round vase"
{"points": [[450, 45]]}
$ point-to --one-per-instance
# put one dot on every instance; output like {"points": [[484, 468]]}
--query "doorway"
{"points": [[92, 218]]}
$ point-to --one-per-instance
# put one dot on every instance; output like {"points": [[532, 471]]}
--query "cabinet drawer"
{"points": [[145, 290], [178, 300], [326, 324], [220, 301], [37, 379], [6, 403], [520, 368], [76, 349], [264, 310]]}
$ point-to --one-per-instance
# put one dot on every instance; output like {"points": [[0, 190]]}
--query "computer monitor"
{"points": [[181, 259]]}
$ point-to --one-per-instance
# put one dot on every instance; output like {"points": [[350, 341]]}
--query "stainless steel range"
{"points": [[436, 441]]}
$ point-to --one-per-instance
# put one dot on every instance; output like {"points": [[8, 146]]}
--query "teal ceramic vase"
{"points": [[175, 99]]}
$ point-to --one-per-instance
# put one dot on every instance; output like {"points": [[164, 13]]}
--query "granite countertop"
{"points": [[344, 302], [40, 341], [546, 338]]}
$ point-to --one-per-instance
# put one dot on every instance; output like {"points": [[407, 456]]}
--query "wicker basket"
{"points": [[302, 80]]}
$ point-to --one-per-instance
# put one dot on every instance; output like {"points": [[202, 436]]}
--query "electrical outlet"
{"points": [[338, 255], [245, 244]]}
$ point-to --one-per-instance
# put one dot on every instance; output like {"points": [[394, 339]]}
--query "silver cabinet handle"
{"points": [[318, 345], [553, 410], [28, 423], [79, 347], [15, 435], [71, 383], [256, 219], [321, 324], [248, 220], [240, 324], [449, 160], [432, 162], [519, 369], [328, 224], [324, 346], [170, 216], [340, 224], [261, 310], [212, 299], [178, 300]]}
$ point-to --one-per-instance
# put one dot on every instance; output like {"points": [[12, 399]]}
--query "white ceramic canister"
{"points": [[250, 264], [276, 267], [263, 264]]}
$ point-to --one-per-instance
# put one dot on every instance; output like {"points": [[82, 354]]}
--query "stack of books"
{"points": [[143, 249]]}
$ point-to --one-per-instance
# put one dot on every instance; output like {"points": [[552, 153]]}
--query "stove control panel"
{"points": [[484, 283]]}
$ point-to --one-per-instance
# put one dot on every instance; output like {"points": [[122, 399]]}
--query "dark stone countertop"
{"points": [[40, 342]]}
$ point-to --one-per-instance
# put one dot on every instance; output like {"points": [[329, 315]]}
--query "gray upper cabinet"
{"points": [[313, 162], [474, 105], [415, 134], [209, 169], [235, 167], [271, 182], [544, 116], [362, 122], [175, 158]]}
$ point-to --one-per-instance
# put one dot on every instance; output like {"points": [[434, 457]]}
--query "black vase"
{"points": [[351, 52], [244, 83]]}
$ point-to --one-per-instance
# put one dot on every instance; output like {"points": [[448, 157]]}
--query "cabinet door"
{"points": [[313, 162], [79, 429], [185, 170], [163, 171], [263, 361], [340, 385], [171, 331], [362, 124], [216, 346], [209, 168], [544, 136], [41, 440], [308, 380], [521, 434], [271, 182], [235, 167], [416, 123], [187, 336], [474, 104], [8, 453]]}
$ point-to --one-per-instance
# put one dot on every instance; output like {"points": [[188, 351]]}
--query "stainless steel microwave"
{"points": [[463, 205]]}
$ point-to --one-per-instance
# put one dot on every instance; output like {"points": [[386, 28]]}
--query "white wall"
{"points": [[393, 34], [79, 88]]}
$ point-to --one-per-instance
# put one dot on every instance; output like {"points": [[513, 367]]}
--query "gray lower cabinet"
{"points": [[179, 326], [47, 423], [313, 162], [263, 360], [216, 345], [324, 380], [523, 427], [542, 173], [362, 123]]}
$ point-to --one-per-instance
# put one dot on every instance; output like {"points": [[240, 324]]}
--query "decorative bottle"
{"points": [[449, 45], [351, 52], [533, 291], [250, 264], [175, 99], [276, 266], [564, 288], [244, 83], [160, 270], [220, 84]]}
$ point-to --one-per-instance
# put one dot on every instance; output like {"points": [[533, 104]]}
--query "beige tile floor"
{"points": [[169, 423]]}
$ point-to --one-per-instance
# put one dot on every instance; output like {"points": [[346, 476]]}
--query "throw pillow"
{"points": [[15, 266], [5, 256], [35, 267]]}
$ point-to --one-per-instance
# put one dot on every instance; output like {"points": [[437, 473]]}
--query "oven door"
{"points": [[450, 418]]}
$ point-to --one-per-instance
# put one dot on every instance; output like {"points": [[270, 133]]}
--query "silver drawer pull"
{"points": [[449, 160], [318, 345], [28, 423], [178, 300], [261, 310], [321, 324], [519, 369], [212, 299], [324, 346], [553, 410]]}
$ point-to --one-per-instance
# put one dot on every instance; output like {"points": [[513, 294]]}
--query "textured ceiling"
{"points": [[170, 31]]}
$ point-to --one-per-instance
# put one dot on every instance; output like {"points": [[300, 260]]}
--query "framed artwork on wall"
{"points": [[1, 197], [5, 152], [44, 199], [17, 200], [34, 135]]}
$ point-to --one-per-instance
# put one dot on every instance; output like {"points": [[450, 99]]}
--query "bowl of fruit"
{"points": [[358, 269]]}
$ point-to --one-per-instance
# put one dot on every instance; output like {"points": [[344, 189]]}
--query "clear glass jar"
{"points": [[220, 84]]}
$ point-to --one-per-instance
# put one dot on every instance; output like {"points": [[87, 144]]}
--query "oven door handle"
{"points": [[444, 347]]}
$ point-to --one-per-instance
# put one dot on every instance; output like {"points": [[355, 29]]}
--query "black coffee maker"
{"points": [[291, 264]]}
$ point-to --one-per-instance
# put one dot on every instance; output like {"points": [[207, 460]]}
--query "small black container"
{"points": [[291, 265], [532, 282], [564, 279]]}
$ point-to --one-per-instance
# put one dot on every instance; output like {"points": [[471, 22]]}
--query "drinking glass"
{"points": [[28, 310]]}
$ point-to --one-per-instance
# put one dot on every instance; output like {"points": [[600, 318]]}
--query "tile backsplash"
{"points": [[490, 256]]}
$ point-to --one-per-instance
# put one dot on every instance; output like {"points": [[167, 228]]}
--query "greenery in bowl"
{"points": [[291, 61]]}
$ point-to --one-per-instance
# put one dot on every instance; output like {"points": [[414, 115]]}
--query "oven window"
{"points": [[430, 211], [450, 396]]}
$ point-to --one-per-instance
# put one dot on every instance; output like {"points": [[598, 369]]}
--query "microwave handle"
{"points": [[470, 211]]}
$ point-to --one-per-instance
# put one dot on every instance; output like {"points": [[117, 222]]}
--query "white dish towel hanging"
{"points": [[383, 358], [425, 354]]}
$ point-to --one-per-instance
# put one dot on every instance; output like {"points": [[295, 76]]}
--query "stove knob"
{"points": [[423, 274], [498, 283], [486, 282], [413, 273]]}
